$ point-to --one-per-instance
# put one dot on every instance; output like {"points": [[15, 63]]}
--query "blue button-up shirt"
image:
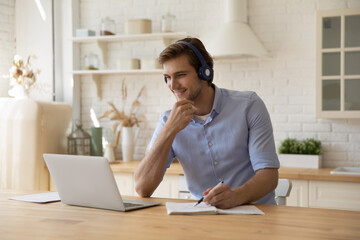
{"points": [[235, 141]]}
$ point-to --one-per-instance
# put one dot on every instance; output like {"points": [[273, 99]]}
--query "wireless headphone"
{"points": [[205, 72]]}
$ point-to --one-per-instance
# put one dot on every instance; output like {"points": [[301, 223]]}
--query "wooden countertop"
{"points": [[23, 220], [129, 167], [290, 173]]}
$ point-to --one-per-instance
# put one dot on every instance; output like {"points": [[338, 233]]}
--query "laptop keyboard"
{"points": [[127, 205]]}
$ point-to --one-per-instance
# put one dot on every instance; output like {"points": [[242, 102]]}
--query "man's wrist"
{"points": [[240, 196], [169, 130]]}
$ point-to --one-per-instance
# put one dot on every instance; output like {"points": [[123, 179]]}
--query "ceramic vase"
{"points": [[110, 152], [128, 138], [19, 92]]}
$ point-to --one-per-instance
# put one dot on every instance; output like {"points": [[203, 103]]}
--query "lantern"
{"points": [[79, 142]]}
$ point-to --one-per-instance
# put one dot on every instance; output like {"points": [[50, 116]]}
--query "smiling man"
{"points": [[217, 135]]}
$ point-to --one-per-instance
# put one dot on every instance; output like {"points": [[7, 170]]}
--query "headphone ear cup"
{"points": [[205, 73]]}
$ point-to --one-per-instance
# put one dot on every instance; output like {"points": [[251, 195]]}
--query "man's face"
{"points": [[182, 78]]}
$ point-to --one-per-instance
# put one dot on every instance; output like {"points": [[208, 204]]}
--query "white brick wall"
{"points": [[285, 81], [7, 43]]}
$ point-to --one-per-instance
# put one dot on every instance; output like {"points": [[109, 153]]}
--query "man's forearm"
{"points": [[149, 173], [263, 182]]}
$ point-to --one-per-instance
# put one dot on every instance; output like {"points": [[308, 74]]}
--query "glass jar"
{"points": [[91, 61], [168, 23], [107, 27]]}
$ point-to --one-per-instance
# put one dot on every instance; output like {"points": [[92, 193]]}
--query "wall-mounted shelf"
{"points": [[96, 74], [132, 37], [114, 71], [103, 41]]}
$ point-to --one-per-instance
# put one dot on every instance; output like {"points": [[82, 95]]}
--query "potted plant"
{"points": [[300, 154]]}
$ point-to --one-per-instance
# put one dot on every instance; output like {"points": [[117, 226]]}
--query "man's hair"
{"points": [[177, 49]]}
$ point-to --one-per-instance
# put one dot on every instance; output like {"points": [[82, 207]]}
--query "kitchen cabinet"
{"points": [[325, 194], [102, 43], [310, 187], [304, 193], [125, 183], [299, 195], [338, 63], [168, 188], [337, 195]]}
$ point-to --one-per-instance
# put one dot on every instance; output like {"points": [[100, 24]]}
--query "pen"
{"points": [[201, 199]]}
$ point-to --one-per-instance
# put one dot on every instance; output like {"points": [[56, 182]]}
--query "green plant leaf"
{"points": [[307, 146]]}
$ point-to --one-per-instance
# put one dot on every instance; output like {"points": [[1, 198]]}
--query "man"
{"points": [[216, 135]]}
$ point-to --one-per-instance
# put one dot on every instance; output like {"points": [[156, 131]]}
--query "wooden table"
{"points": [[22, 220]]}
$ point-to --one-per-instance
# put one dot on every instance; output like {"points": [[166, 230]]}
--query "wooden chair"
{"points": [[282, 191]]}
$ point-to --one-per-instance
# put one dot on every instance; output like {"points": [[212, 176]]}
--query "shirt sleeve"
{"points": [[160, 125], [262, 149]]}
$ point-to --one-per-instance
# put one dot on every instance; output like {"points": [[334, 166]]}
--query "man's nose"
{"points": [[173, 83]]}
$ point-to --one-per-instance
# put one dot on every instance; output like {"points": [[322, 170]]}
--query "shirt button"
{"points": [[215, 162], [210, 144]]}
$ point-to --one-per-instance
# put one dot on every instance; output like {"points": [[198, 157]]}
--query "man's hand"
{"points": [[263, 182], [221, 197], [181, 115]]}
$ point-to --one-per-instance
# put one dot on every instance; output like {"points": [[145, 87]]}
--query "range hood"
{"points": [[234, 38]]}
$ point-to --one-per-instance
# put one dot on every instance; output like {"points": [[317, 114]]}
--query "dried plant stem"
{"points": [[123, 94], [117, 137]]}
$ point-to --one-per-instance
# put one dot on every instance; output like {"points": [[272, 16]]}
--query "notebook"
{"points": [[190, 209], [88, 182]]}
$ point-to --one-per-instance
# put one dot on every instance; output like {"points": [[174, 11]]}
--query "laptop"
{"points": [[88, 181]]}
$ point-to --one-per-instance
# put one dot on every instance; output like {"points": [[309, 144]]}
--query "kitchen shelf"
{"points": [[102, 43], [96, 74], [109, 72], [131, 37]]}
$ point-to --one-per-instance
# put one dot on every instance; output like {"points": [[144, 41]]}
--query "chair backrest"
{"points": [[282, 191]]}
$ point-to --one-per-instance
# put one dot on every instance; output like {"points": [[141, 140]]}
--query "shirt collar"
{"points": [[217, 100], [216, 108]]}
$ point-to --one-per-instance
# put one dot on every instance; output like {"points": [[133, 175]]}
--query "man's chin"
{"points": [[179, 98]]}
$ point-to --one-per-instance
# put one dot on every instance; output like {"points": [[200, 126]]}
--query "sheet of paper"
{"points": [[39, 197], [189, 208], [243, 209]]}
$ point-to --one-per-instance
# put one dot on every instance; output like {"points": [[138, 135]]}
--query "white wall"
{"points": [[285, 81], [7, 42]]}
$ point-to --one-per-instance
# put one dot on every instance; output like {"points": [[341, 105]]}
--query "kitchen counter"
{"points": [[322, 174]]}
